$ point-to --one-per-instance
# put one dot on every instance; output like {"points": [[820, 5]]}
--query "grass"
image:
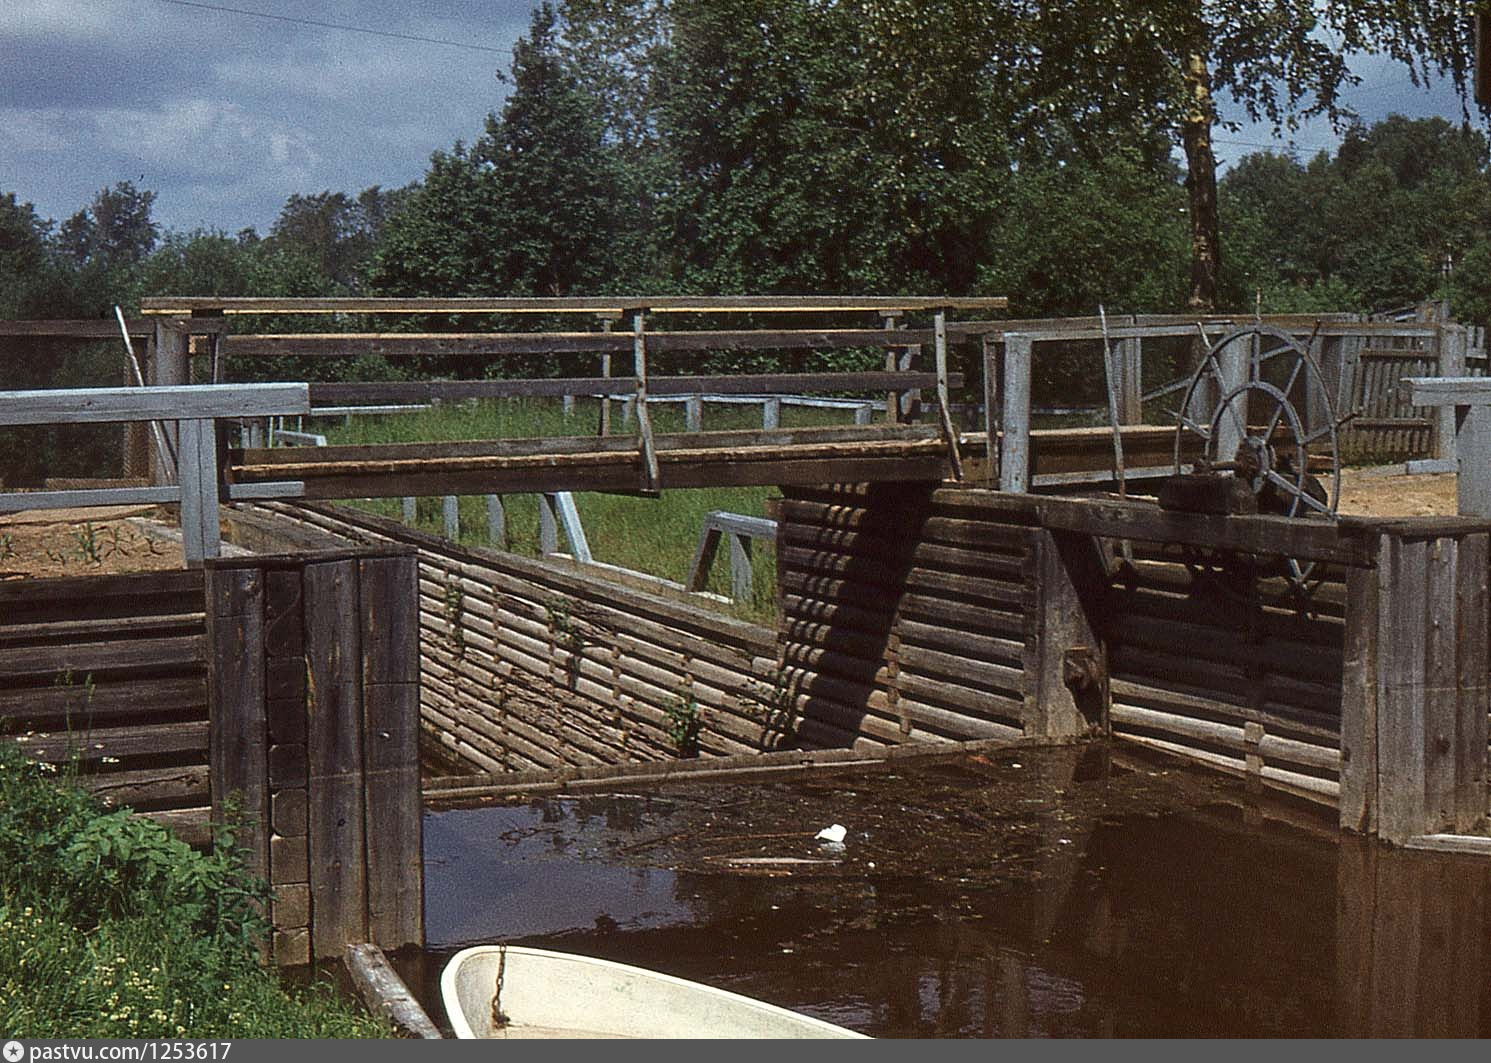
{"points": [[657, 536], [112, 927]]}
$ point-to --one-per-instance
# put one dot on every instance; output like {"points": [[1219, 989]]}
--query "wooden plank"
{"points": [[46, 707], [185, 784], [1070, 585], [182, 402], [608, 305], [384, 992], [1441, 694], [1472, 677], [389, 603], [24, 501], [238, 739], [338, 874], [1402, 621], [94, 743], [97, 659], [101, 630]]}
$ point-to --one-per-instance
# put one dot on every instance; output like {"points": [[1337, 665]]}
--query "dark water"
{"points": [[1044, 894]]}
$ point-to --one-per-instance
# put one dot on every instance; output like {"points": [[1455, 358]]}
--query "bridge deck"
{"points": [[848, 454]]}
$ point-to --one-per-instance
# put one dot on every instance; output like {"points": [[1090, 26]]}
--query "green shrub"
{"points": [[112, 927]]}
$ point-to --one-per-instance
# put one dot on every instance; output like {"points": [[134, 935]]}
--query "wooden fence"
{"points": [[108, 672]]}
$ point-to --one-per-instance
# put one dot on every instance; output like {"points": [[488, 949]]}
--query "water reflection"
{"points": [[1000, 899]]}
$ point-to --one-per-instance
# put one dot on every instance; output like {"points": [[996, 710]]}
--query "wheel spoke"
{"points": [[1200, 429], [1239, 422], [1279, 409], [1298, 493]]}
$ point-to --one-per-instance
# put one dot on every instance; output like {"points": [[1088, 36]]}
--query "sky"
{"points": [[224, 114]]}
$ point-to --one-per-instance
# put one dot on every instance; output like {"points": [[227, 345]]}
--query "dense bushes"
{"points": [[112, 927]]}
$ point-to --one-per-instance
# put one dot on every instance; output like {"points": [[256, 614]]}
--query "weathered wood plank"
{"points": [[181, 402], [338, 874], [610, 305], [389, 602], [384, 992], [236, 697]]}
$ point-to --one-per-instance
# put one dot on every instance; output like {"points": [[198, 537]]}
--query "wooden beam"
{"points": [[608, 305], [384, 992], [181, 402], [402, 392], [392, 345]]}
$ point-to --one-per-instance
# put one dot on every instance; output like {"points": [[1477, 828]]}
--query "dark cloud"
{"points": [[224, 116]]}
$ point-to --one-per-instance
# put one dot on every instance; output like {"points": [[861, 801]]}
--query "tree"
{"points": [[336, 231], [442, 241], [1169, 63], [556, 180], [114, 230]]}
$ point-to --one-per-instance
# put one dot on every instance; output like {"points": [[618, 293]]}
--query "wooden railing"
{"points": [[187, 416]]}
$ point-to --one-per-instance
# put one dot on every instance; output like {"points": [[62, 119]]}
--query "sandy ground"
{"points": [[1378, 493], [83, 542]]}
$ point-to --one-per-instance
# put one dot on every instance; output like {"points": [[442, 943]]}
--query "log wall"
{"points": [[530, 664], [110, 670]]}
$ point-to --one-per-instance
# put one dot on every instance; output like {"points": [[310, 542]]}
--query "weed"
{"points": [[455, 614], [89, 545], [7, 547], [684, 723]]}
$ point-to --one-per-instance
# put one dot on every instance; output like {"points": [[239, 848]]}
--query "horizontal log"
{"points": [[1316, 728], [119, 628], [1271, 748], [978, 619], [1309, 787], [44, 708], [84, 659], [94, 743], [947, 666], [149, 787]]}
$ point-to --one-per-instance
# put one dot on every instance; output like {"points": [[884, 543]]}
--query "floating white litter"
{"points": [[836, 834]]}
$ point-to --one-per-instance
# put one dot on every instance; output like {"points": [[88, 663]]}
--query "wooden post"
{"points": [[651, 477], [1131, 378], [1233, 362], [450, 517], [892, 398], [408, 510], [605, 425], [496, 522], [197, 473], [1014, 457], [771, 413], [1415, 688], [991, 406], [693, 414], [548, 525], [741, 577], [1066, 690], [1447, 432], [170, 363], [236, 697], [289, 778]]}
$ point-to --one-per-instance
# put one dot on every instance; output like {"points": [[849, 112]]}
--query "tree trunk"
{"points": [[1201, 185]]}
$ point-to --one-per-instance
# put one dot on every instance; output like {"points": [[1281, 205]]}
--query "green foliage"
{"points": [[111, 927], [683, 724], [1378, 224]]}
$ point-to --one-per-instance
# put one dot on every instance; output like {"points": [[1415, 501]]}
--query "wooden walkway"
{"points": [[776, 457]]}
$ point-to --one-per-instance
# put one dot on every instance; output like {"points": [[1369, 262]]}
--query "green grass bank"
{"points": [[111, 927]]}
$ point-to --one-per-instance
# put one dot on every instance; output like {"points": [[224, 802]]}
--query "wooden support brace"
{"points": [[1014, 456], [651, 476]]}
